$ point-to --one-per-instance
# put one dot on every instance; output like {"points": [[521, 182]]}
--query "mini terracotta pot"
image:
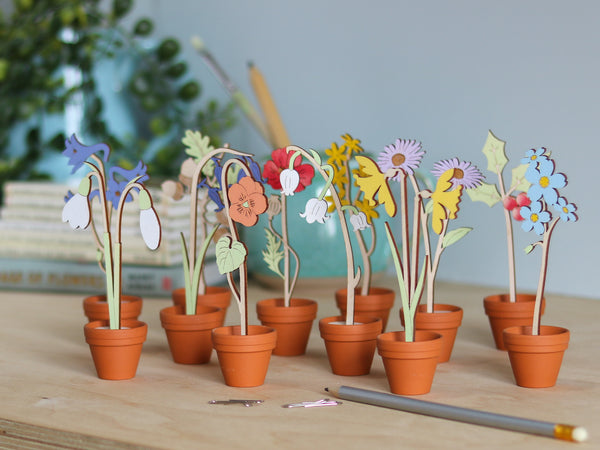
{"points": [[377, 303], [96, 307], [444, 320], [350, 348], [217, 296], [189, 336], [410, 366], [536, 360], [503, 314], [116, 353], [244, 360], [293, 323]]}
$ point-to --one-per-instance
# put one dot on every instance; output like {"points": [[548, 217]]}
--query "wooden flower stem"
{"points": [[545, 244]]}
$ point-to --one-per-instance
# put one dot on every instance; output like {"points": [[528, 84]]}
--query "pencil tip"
{"points": [[326, 389], [250, 64]]}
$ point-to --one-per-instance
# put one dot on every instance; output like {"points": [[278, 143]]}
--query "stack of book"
{"points": [[40, 252]]}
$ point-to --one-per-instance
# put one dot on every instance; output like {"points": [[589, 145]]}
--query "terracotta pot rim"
{"points": [[427, 344], [273, 310], [367, 328], [451, 318], [132, 332], [259, 338], [373, 290], [206, 317], [209, 290]]}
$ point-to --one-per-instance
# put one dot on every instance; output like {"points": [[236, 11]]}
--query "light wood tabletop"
{"points": [[52, 398]]}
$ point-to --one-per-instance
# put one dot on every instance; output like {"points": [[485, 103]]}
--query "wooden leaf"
{"points": [[452, 237], [518, 182], [486, 193], [272, 255], [529, 249], [230, 254], [493, 149]]}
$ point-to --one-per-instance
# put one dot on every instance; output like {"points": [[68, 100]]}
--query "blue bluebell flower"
{"points": [[79, 153]]}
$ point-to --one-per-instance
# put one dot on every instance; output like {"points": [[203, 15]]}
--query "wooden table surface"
{"points": [[50, 394]]}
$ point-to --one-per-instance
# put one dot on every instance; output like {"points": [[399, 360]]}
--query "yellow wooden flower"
{"points": [[445, 201]]}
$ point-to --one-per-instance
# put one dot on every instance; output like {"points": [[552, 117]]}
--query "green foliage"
{"points": [[493, 149], [452, 237], [273, 253], [42, 37], [486, 193]]}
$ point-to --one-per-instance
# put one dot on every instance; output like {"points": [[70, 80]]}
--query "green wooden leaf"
{"points": [[493, 149], [529, 248], [486, 193], [230, 254], [429, 207], [272, 255], [518, 182], [452, 237]]}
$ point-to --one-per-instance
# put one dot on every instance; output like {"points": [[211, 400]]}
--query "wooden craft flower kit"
{"points": [[226, 189]]}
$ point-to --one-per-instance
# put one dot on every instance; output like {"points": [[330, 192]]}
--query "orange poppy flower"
{"points": [[247, 201]]}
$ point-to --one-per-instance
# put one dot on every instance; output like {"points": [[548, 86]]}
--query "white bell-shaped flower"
{"points": [[149, 223], [315, 211], [77, 209], [289, 179], [359, 221]]}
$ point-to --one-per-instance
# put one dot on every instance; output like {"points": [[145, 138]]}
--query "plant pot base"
{"points": [[536, 360], [410, 366], [189, 336], [244, 360], [504, 314], [116, 353], [350, 348], [293, 323]]}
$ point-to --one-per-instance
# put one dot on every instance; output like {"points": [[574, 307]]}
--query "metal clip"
{"points": [[322, 402], [246, 403]]}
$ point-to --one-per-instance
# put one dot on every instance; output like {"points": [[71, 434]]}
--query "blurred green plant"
{"points": [[43, 37]]}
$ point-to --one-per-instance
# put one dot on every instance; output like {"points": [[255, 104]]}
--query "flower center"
{"points": [[533, 157], [565, 210], [544, 182], [398, 159], [246, 204], [534, 217], [459, 174]]}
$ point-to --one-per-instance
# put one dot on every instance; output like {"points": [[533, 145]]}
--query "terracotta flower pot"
{"points": [[410, 366], [293, 323], [503, 314], [376, 303], [536, 360], [244, 360], [217, 296], [350, 348], [96, 307], [189, 336], [444, 320], [116, 353]]}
